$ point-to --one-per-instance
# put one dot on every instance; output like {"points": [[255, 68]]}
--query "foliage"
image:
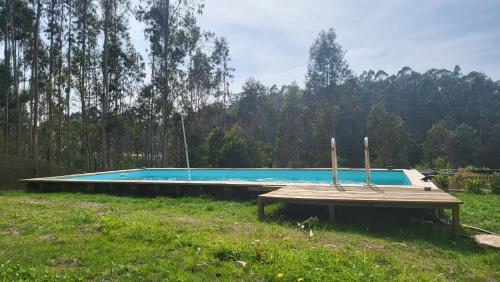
{"points": [[438, 143], [327, 66], [440, 163], [494, 182], [475, 185], [393, 151], [212, 148], [240, 151], [442, 181]]}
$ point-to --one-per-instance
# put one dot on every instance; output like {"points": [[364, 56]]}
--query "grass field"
{"points": [[69, 236]]}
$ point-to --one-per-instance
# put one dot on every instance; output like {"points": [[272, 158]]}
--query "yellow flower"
{"points": [[300, 279], [280, 275]]}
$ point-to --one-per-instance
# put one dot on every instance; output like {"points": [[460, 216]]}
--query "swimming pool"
{"points": [[314, 176]]}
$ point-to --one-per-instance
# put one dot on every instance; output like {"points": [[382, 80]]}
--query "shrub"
{"points": [[475, 185], [440, 163], [456, 183], [494, 182], [442, 181]]}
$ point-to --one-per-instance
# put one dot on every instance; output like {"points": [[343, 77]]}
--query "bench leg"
{"points": [[441, 213], [456, 220], [438, 215], [260, 208], [331, 212]]}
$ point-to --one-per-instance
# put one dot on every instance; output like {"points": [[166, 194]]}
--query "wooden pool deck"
{"points": [[365, 196]]}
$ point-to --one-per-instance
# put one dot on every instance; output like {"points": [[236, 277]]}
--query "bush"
{"points": [[442, 181], [456, 183], [494, 182], [475, 185], [440, 163]]}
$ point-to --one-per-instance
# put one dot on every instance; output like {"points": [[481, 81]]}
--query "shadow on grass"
{"points": [[398, 224]]}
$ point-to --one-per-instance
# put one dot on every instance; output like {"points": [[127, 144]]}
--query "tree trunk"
{"points": [[166, 89], [16, 93], [68, 88], [7, 33], [60, 107], [83, 77], [51, 79], [105, 100], [35, 83]]}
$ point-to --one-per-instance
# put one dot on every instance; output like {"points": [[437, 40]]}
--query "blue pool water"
{"points": [[346, 176]]}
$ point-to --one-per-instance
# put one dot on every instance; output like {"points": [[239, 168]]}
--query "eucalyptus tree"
{"points": [[68, 78], [327, 66], [54, 31], [223, 72], [173, 34], [199, 80], [86, 32], [34, 84], [21, 27], [107, 7], [290, 132], [7, 35], [122, 66], [327, 69], [393, 151]]}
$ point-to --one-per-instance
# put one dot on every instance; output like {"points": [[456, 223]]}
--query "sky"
{"points": [[270, 39]]}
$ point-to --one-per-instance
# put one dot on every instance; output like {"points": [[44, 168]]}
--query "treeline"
{"points": [[72, 85], [74, 90], [440, 118]]}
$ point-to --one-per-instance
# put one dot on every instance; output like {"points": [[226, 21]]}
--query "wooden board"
{"points": [[360, 194], [488, 240]]}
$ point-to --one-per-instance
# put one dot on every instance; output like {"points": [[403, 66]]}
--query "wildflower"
{"points": [[300, 279], [280, 275]]}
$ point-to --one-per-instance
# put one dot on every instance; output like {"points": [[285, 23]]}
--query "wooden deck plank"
{"points": [[366, 196], [489, 240], [362, 193]]}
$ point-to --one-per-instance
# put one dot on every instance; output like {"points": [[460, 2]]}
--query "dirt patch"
{"points": [[11, 231], [51, 238], [65, 262], [45, 202], [242, 229], [186, 221]]}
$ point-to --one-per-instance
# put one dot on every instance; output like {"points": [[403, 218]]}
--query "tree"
{"points": [[290, 133], [438, 142], [107, 7], [465, 143], [223, 72], [234, 152], [212, 148], [389, 139], [173, 34], [35, 82], [327, 66]]}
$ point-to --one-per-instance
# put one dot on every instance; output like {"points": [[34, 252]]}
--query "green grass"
{"points": [[69, 236]]}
